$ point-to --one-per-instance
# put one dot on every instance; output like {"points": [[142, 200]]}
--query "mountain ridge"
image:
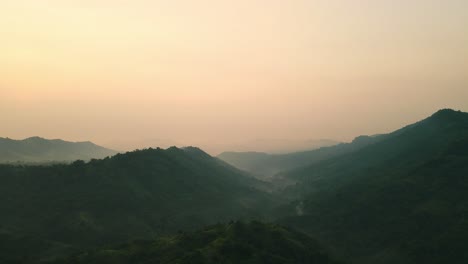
{"points": [[266, 166], [402, 197], [39, 150]]}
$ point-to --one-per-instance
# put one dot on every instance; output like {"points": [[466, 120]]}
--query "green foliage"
{"points": [[140, 194], [400, 200], [395, 198], [237, 242]]}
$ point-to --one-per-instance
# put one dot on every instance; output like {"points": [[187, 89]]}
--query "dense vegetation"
{"points": [[393, 198], [40, 150], [400, 200], [237, 242], [135, 195]]}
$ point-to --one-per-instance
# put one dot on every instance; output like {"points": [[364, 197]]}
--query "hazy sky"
{"points": [[216, 73]]}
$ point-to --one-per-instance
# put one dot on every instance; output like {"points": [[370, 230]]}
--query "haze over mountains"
{"points": [[266, 165], [39, 150], [268, 145], [402, 199], [274, 146], [392, 198], [301, 119]]}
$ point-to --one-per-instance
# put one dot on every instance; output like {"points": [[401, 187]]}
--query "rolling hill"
{"points": [[137, 195], [40, 150], [394, 198]]}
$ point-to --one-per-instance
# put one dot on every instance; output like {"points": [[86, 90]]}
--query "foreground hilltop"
{"points": [[237, 242], [39, 150], [134, 195]]}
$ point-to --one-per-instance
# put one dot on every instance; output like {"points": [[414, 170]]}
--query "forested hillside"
{"points": [[236, 242], [401, 200], [139, 194]]}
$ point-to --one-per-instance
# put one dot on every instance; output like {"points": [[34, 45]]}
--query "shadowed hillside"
{"points": [[400, 200], [139, 194], [394, 198]]}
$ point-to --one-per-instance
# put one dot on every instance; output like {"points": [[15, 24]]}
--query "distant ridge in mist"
{"points": [[279, 146], [266, 165], [37, 150]]}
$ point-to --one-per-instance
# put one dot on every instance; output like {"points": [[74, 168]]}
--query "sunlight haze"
{"points": [[219, 74]]}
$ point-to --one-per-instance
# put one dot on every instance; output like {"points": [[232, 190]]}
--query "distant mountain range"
{"points": [[392, 198], [40, 150], [265, 166], [276, 146]]}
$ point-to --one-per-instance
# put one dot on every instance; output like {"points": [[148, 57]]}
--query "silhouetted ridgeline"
{"points": [[40, 150], [394, 198], [266, 166]]}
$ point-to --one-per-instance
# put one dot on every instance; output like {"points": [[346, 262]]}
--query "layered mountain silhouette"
{"points": [[141, 194], [402, 199], [237, 242], [276, 146], [265, 166], [39, 150], [392, 198]]}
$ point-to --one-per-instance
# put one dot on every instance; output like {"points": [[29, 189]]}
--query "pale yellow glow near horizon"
{"points": [[129, 74]]}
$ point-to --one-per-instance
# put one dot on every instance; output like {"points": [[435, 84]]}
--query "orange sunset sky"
{"points": [[216, 74]]}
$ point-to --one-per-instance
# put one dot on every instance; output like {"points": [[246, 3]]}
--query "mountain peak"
{"points": [[445, 111], [191, 148], [449, 115], [86, 143], [35, 138], [195, 151]]}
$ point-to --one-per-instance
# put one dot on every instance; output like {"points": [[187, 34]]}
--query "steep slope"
{"points": [[134, 195], [36, 149], [237, 242], [266, 166], [400, 200]]}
